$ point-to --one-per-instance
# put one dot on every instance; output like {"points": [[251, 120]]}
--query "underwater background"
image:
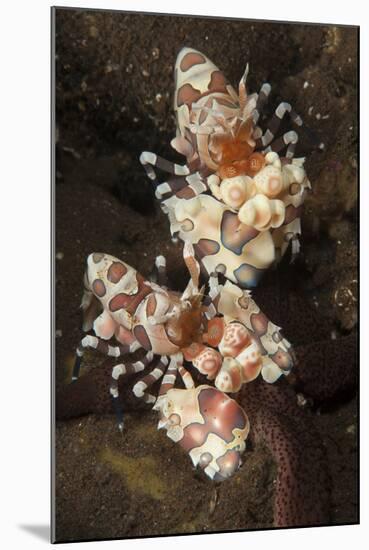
{"points": [[114, 91]]}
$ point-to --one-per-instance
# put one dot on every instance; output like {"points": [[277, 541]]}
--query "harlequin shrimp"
{"points": [[223, 334], [237, 199]]}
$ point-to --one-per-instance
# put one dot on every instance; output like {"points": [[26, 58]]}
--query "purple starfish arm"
{"points": [[302, 471]]}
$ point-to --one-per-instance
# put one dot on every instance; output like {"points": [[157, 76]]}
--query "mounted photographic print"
{"points": [[205, 275]]}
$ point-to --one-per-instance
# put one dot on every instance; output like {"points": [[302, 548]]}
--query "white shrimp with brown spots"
{"points": [[228, 156]]}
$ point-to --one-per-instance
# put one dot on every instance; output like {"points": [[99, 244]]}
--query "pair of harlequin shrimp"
{"points": [[235, 204]]}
